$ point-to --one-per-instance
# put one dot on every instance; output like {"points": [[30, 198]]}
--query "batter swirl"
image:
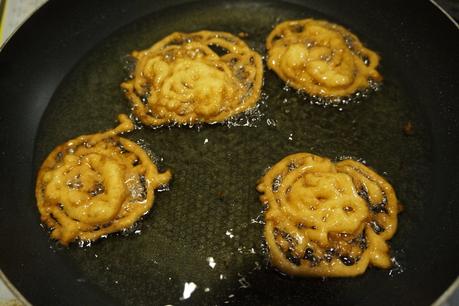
{"points": [[196, 77], [96, 184], [321, 58], [326, 219]]}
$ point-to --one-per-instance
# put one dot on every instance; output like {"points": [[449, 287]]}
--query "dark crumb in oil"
{"points": [[221, 196], [400, 207], [408, 128], [243, 34]]}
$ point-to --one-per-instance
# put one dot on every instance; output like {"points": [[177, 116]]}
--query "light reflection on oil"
{"points": [[188, 289]]}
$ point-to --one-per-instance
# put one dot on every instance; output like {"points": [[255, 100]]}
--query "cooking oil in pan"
{"points": [[202, 241]]}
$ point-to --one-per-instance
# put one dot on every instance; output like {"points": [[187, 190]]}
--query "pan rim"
{"points": [[7, 39], [438, 6], [12, 289]]}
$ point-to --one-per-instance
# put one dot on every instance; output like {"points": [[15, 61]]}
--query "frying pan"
{"points": [[59, 78]]}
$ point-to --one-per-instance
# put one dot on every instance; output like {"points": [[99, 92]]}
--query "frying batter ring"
{"points": [[326, 219], [96, 184], [321, 58], [196, 77]]}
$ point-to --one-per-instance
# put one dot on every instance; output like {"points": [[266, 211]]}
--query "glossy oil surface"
{"points": [[211, 214]]}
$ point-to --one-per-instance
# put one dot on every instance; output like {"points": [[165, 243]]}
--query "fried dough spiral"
{"points": [[321, 58], [96, 184], [182, 79], [326, 219]]}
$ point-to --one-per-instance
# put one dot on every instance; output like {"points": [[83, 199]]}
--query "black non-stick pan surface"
{"points": [[60, 76]]}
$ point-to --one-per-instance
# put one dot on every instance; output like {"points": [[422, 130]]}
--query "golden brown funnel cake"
{"points": [[327, 219], [96, 184], [320, 58], [194, 77]]}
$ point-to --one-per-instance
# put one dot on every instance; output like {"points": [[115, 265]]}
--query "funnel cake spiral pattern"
{"points": [[182, 79], [326, 219], [96, 184], [321, 58]]}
